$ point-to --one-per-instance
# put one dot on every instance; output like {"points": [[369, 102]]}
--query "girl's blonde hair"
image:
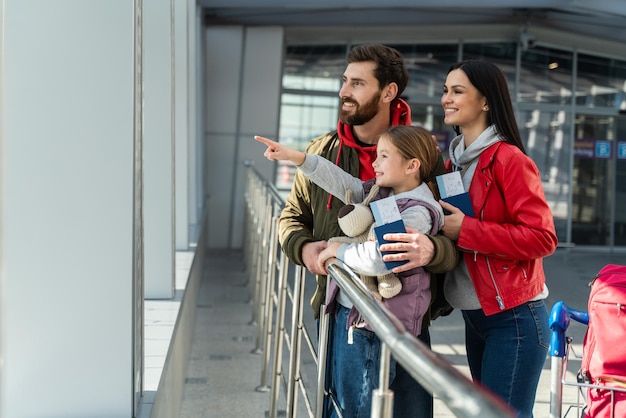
{"points": [[415, 142]]}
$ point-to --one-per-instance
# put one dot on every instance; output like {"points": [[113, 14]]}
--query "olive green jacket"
{"points": [[307, 218]]}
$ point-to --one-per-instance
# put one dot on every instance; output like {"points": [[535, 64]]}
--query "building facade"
{"points": [[570, 105]]}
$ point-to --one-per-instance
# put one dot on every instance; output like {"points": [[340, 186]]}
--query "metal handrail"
{"points": [[433, 372], [268, 269]]}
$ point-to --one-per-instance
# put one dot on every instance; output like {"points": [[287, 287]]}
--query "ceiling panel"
{"points": [[603, 19]]}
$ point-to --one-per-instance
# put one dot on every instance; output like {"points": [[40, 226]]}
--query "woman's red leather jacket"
{"points": [[513, 230]]}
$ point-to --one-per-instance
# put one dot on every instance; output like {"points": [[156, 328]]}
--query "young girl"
{"points": [[499, 283], [405, 154]]}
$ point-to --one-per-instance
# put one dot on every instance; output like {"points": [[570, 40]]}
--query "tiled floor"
{"points": [[159, 320]]}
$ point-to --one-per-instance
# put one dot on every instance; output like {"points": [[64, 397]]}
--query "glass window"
{"points": [[546, 76], [547, 139], [310, 101], [302, 118], [592, 179], [502, 54], [314, 67], [601, 82], [427, 66]]}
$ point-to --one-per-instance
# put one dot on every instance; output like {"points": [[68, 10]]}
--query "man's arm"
{"points": [[445, 254], [296, 220], [296, 229]]}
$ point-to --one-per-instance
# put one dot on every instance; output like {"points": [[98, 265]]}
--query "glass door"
{"points": [[593, 180], [619, 224]]}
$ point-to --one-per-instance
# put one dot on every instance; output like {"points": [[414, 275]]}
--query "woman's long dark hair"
{"points": [[491, 82]]}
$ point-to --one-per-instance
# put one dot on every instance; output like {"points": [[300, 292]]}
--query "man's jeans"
{"points": [[353, 373], [507, 351]]}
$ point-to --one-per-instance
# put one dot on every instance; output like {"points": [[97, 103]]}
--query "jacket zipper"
{"points": [[493, 280]]}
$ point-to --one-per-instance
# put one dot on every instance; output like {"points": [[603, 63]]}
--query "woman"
{"points": [[499, 283]]}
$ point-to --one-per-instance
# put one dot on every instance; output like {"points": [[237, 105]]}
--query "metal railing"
{"points": [[269, 271]]}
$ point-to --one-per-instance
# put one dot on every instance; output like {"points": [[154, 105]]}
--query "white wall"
{"points": [[67, 173], [243, 76]]}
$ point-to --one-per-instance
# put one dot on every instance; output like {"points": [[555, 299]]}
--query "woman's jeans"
{"points": [[353, 373], [507, 351]]}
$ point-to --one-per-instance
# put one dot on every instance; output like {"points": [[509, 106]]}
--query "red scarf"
{"points": [[400, 115]]}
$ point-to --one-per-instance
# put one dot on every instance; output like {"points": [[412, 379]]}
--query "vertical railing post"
{"points": [[296, 341], [260, 266], [255, 246], [246, 221], [322, 358], [556, 387], [267, 306], [279, 335], [382, 398], [251, 196]]}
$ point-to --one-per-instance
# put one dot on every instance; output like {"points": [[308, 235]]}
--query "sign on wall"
{"points": [[594, 148]]}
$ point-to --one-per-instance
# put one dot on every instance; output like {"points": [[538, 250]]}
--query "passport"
{"points": [[451, 190], [388, 221], [390, 228]]}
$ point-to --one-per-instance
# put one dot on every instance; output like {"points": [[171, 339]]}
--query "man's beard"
{"points": [[363, 114]]}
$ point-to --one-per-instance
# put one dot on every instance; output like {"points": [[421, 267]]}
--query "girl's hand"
{"points": [[329, 252], [452, 223], [278, 152]]}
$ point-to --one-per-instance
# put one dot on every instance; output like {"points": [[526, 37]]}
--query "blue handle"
{"points": [[559, 321]]}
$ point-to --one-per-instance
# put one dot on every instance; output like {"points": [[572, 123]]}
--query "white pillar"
{"points": [[196, 122], [158, 148], [181, 121], [67, 208]]}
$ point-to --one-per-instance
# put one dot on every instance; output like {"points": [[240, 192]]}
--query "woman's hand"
{"points": [[415, 248], [452, 223], [278, 152]]}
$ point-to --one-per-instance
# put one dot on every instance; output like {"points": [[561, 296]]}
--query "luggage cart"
{"points": [[560, 347]]}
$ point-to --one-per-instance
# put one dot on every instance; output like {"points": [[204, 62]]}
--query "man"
{"points": [[370, 103]]}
